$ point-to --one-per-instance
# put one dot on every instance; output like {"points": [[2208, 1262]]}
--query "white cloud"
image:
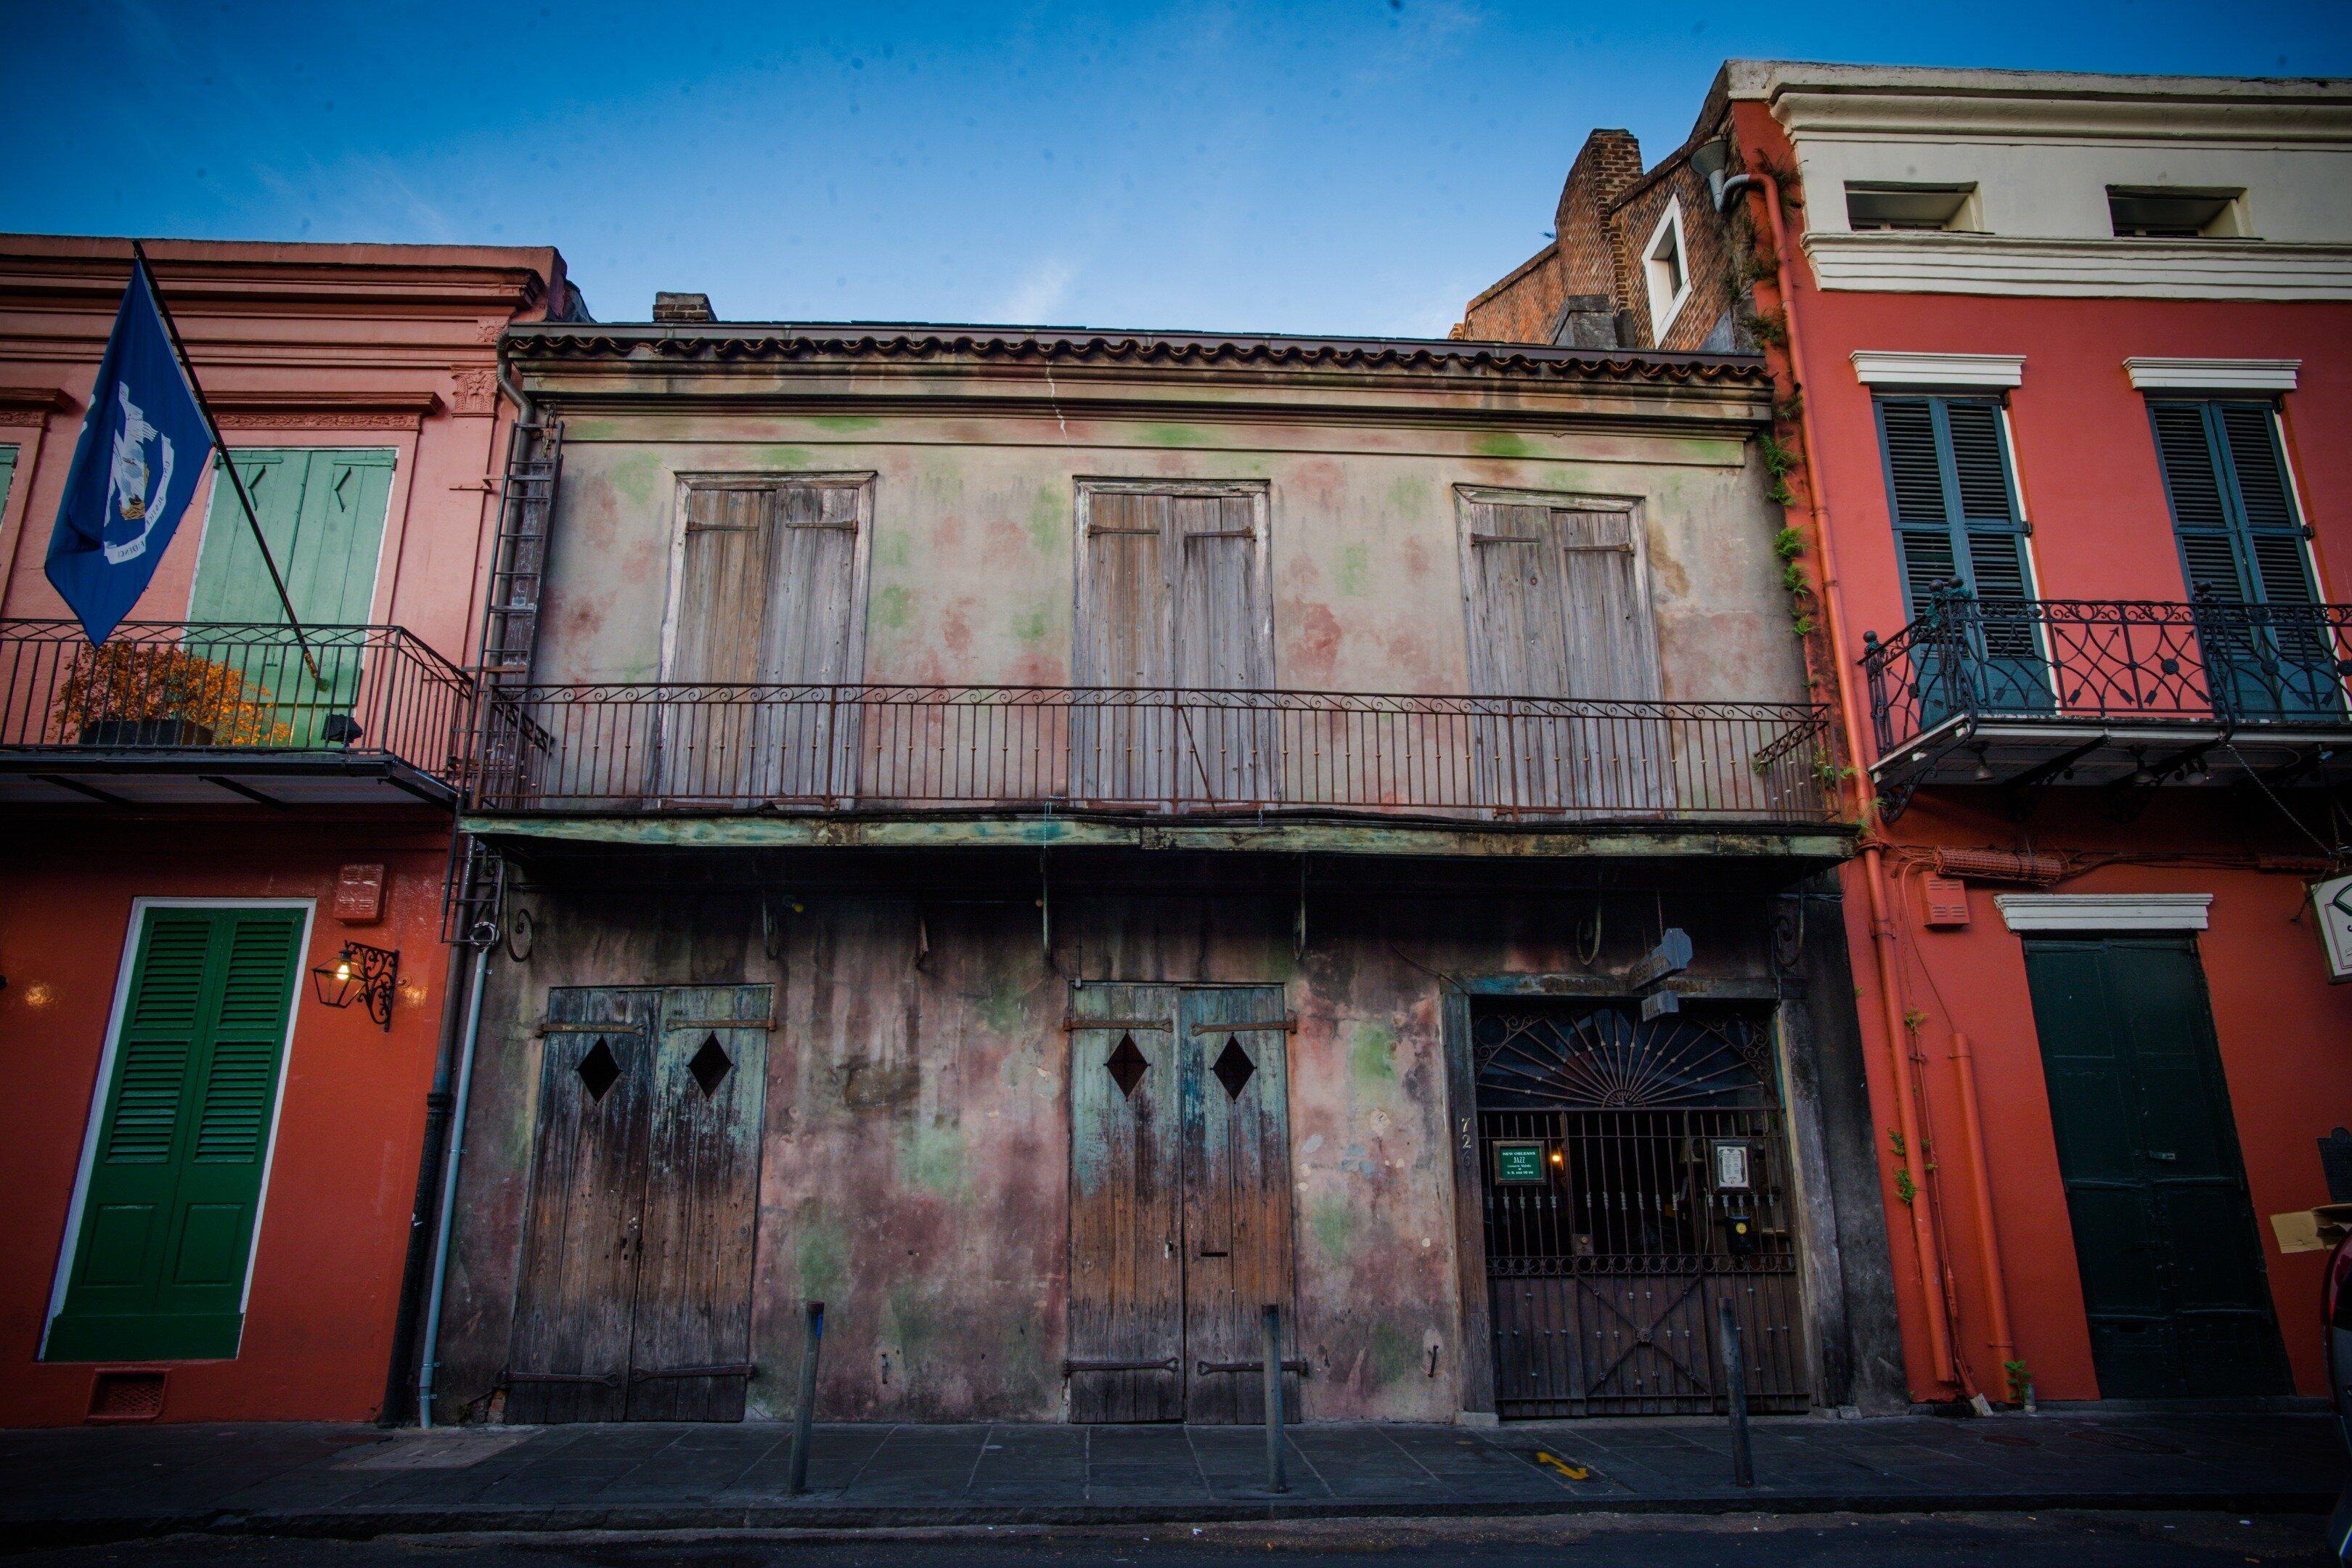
{"points": [[1039, 294]]}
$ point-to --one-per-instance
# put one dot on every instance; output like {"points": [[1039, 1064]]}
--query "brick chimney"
{"points": [[671, 308], [1608, 163]]}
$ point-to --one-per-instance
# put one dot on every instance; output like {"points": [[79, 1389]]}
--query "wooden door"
{"points": [[2171, 1263], [1237, 1209], [1557, 609], [1127, 1291], [173, 1189], [766, 599], [1225, 744], [583, 1238], [1121, 745], [690, 1349], [1180, 1200]]}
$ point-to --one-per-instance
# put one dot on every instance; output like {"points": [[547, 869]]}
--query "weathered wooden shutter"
{"points": [[1226, 747], [1120, 746], [174, 1184], [766, 597], [7, 473], [1556, 610]]}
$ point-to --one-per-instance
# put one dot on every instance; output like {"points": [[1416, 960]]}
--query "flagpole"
{"points": [[188, 369]]}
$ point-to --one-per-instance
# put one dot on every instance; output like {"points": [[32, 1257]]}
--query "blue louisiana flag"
{"points": [[145, 445]]}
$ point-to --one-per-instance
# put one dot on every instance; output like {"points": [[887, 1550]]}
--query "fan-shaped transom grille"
{"points": [[710, 1065], [1234, 1068], [598, 1070], [1127, 1066], [1606, 1057]]}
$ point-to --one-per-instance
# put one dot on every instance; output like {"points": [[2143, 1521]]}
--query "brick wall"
{"points": [[1706, 258]]}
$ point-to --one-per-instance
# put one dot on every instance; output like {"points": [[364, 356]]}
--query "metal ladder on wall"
{"points": [[477, 880]]}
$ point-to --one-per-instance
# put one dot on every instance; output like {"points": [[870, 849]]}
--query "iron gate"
{"points": [[1636, 1176]]}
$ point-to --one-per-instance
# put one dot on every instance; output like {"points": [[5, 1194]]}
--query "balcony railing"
{"points": [[223, 696], [672, 748], [2211, 663]]}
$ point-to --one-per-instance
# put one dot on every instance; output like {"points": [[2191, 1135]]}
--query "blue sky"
{"points": [[1355, 167]]}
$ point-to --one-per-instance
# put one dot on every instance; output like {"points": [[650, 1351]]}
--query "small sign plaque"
{"points": [[1518, 1162], [1731, 1172], [2332, 902]]}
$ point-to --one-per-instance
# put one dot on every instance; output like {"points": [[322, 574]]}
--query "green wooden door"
{"points": [[2173, 1279], [175, 1183], [323, 511]]}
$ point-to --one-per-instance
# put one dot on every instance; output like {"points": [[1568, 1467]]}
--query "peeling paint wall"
{"points": [[972, 569], [916, 1152]]}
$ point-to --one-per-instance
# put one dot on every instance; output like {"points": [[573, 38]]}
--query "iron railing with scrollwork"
{"points": [[670, 747], [2210, 661], [221, 690]]}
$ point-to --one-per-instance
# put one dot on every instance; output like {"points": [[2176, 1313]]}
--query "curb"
{"points": [[359, 1524]]}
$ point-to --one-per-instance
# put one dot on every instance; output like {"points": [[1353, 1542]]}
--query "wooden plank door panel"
{"points": [[712, 748], [807, 642], [1127, 1302], [575, 1302], [1621, 758], [1225, 754], [1121, 746], [1519, 648], [1237, 1201], [693, 1288]]}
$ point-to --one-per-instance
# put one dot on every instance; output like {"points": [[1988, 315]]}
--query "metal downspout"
{"points": [[424, 1378], [1926, 1245], [1964, 1062]]}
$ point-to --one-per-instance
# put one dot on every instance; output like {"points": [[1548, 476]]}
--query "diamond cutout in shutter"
{"points": [[710, 1065], [598, 1070], [1234, 1068], [1127, 1066]]}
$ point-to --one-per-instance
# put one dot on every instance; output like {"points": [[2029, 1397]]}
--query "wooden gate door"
{"points": [[635, 1303], [1237, 1215], [690, 1352], [2173, 1283], [570, 1356], [1180, 1200]]}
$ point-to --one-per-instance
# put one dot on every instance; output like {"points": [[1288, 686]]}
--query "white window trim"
{"points": [[1874, 368], [2104, 912], [139, 908], [1662, 319], [2151, 374]]}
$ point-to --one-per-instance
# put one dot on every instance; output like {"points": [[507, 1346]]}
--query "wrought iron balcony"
{"points": [[815, 749], [214, 713], [2026, 692]]}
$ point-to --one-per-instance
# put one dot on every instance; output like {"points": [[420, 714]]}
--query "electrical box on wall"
{"points": [[1947, 900], [2331, 902], [359, 895]]}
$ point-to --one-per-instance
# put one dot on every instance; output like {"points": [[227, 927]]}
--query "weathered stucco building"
{"points": [[1050, 842]]}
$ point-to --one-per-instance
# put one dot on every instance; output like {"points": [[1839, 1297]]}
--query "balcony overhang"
{"points": [[1821, 842], [2018, 754], [73, 775]]}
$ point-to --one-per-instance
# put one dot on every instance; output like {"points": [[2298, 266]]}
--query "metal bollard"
{"points": [[1734, 1372], [804, 1413], [1277, 1480]]}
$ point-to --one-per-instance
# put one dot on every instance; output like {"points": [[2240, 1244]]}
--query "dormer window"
{"points": [[1882, 204], [1666, 263], [2174, 212]]}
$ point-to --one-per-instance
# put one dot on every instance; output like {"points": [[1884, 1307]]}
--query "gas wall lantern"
{"points": [[360, 973]]}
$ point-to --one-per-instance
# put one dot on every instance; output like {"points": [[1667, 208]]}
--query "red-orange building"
{"points": [[217, 1139], [2065, 365]]}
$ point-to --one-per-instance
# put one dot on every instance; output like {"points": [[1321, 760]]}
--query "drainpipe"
{"points": [[449, 1192], [397, 1387], [1964, 1062], [1926, 1247]]}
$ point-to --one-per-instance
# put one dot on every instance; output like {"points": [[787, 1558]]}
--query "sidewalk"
{"points": [[85, 1484]]}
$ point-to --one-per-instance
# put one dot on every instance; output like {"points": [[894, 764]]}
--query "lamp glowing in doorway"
{"points": [[360, 973]]}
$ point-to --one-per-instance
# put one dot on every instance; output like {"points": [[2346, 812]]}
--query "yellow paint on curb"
{"points": [[1553, 1461]]}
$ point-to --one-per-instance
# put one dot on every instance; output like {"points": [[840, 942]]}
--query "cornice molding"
{"points": [[2079, 269], [2102, 911], [32, 405], [2155, 374], [313, 408], [1940, 113], [1874, 368]]}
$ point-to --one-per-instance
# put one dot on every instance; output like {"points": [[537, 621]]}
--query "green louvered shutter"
{"points": [[1957, 524], [2241, 542], [175, 1183], [7, 473]]}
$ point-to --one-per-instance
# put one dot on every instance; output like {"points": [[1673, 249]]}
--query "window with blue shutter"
{"points": [[2268, 650], [1959, 529]]}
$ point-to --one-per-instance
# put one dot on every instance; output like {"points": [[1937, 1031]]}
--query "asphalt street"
{"points": [[2075, 1539]]}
